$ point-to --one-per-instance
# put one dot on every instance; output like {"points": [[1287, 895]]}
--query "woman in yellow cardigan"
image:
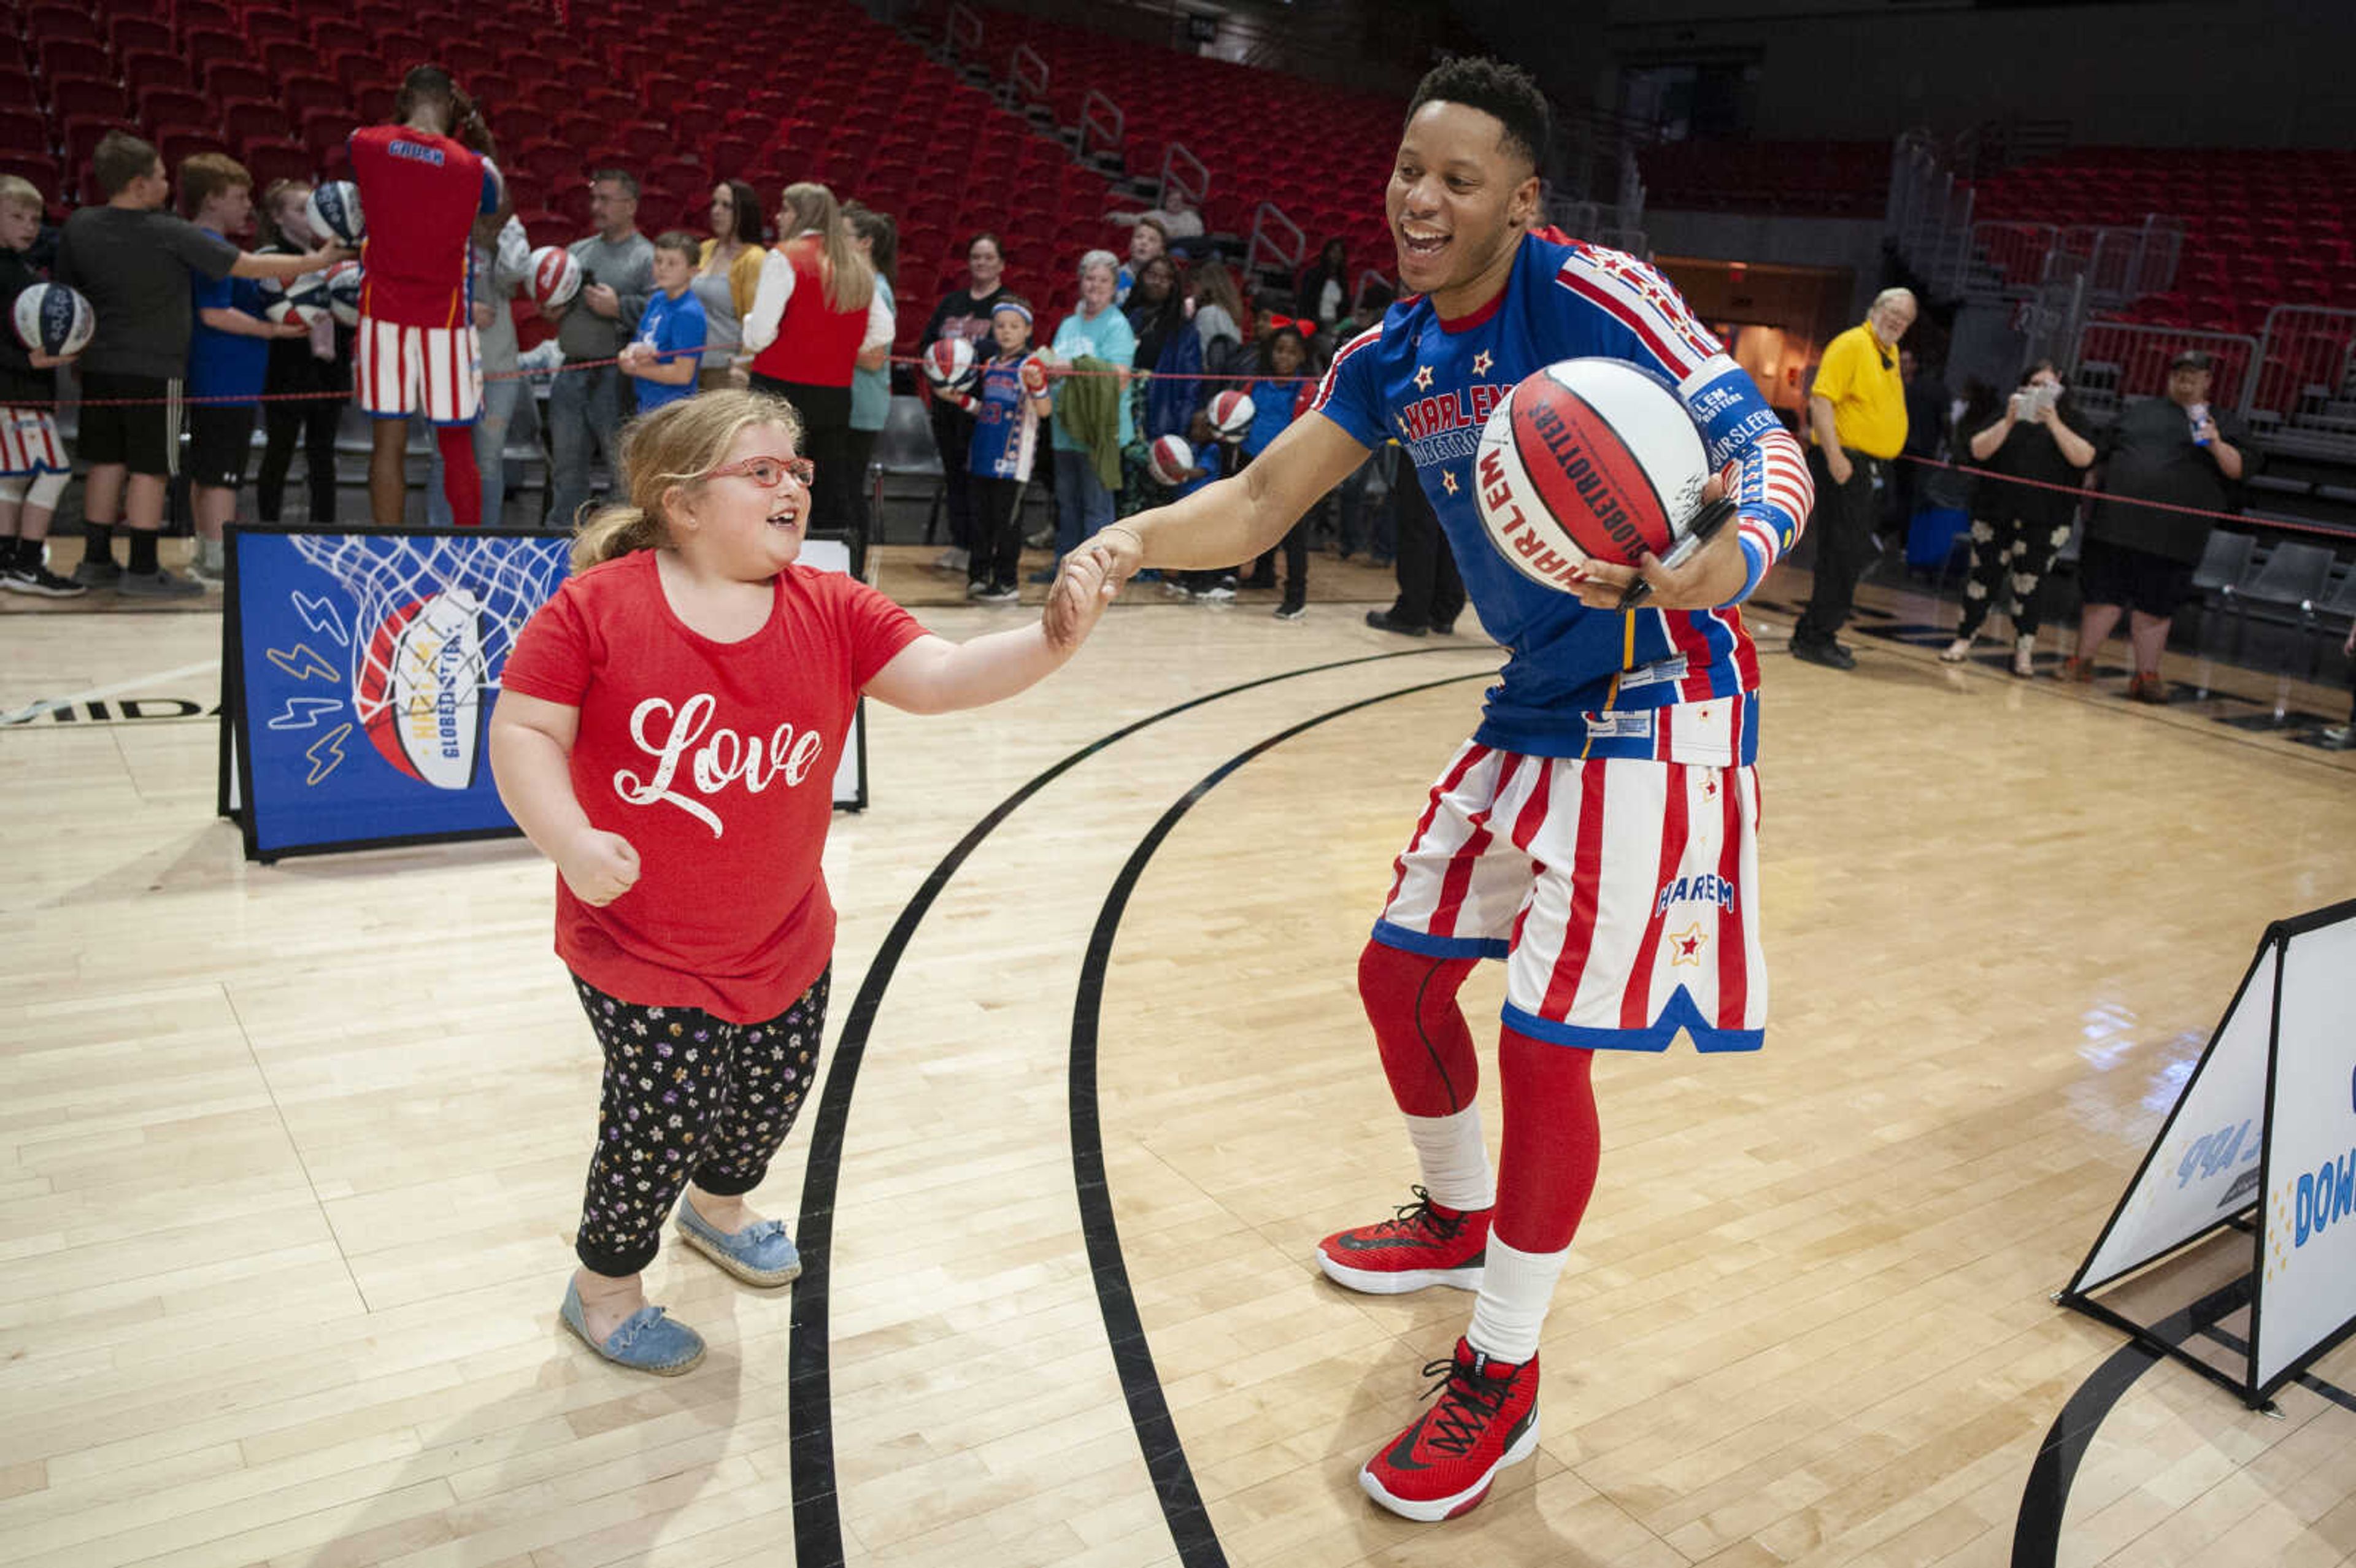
{"points": [[725, 281]]}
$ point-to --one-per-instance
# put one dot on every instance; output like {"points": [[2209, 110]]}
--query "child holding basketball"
{"points": [[1007, 405], [1278, 396], [667, 733], [33, 467]]}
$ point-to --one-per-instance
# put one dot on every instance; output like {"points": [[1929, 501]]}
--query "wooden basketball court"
{"points": [[291, 1154]]}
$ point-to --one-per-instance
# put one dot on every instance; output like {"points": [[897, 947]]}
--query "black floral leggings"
{"points": [[2025, 551], [687, 1095]]}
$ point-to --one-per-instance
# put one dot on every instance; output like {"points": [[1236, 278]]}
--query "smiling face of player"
{"points": [[1458, 203]]}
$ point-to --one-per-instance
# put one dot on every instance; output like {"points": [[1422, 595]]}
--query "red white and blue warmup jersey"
{"points": [[1668, 685], [1006, 422], [420, 194]]}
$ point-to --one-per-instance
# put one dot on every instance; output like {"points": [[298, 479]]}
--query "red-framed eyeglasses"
{"points": [[768, 472]]}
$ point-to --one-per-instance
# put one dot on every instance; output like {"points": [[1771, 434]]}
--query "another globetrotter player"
{"points": [[415, 351], [1597, 832]]}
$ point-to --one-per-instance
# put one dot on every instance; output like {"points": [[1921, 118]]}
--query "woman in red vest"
{"points": [[816, 309]]}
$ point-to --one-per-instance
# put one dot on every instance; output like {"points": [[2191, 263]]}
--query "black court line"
{"points": [[2037, 1535], [818, 1520], [1140, 1385]]}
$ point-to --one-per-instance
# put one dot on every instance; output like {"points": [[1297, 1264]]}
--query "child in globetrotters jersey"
{"points": [[667, 732], [421, 192], [1597, 832]]}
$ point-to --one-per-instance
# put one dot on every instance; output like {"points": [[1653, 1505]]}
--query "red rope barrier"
{"points": [[2084, 494]]}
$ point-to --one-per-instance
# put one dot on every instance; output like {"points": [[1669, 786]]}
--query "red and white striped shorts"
{"points": [[30, 445], [433, 370], [1621, 894]]}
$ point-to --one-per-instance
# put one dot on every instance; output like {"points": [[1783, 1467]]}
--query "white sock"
{"points": [[1455, 1161], [1517, 1287]]}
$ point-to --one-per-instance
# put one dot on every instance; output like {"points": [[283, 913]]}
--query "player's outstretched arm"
{"points": [[1236, 519], [933, 675], [531, 748]]}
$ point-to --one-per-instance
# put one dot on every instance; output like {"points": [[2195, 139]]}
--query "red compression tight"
{"points": [[1553, 1139], [462, 482]]}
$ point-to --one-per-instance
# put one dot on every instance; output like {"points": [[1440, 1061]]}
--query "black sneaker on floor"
{"points": [[98, 571], [1380, 620], [1290, 612], [38, 579], [1832, 656]]}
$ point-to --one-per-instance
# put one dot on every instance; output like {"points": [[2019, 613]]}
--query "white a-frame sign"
{"points": [[2267, 1124]]}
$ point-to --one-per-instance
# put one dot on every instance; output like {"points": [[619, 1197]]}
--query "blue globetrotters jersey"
{"points": [[1672, 684]]}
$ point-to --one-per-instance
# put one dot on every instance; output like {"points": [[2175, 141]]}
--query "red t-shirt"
{"points": [[420, 194], [716, 761]]}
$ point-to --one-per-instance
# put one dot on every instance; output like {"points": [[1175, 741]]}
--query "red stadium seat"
{"points": [[23, 130], [83, 95], [187, 13], [83, 56], [301, 94], [265, 27], [246, 121], [204, 46], [173, 106], [227, 80], [286, 57], [125, 31], [179, 142], [46, 20], [268, 161], [148, 68], [333, 36]]}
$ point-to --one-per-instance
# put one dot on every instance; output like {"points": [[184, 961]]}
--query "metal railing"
{"points": [[2116, 363], [2010, 257], [2304, 392], [1366, 278], [1027, 75], [1102, 124], [962, 31], [1188, 172], [1269, 230]]}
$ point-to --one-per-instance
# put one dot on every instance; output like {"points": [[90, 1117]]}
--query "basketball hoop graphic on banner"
{"points": [[360, 672], [2257, 1159]]}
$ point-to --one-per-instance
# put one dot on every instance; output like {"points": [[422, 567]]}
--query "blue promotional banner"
{"points": [[364, 666], [359, 669]]}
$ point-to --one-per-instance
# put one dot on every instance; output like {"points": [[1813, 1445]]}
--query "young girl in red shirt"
{"points": [[667, 733]]}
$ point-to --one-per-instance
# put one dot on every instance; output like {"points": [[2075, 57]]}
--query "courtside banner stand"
{"points": [[2262, 1139], [358, 672]]}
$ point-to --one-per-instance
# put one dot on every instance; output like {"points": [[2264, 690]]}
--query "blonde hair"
{"points": [[849, 281], [674, 446], [15, 190]]}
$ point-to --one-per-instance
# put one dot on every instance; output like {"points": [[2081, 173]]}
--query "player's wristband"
{"points": [[1754, 569]]}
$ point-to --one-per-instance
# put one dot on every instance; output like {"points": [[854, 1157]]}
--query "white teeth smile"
{"points": [[1421, 239]]}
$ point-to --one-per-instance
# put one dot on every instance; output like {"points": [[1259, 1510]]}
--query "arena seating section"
{"points": [[1810, 179], [1320, 154], [2262, 227], [281, 83]]}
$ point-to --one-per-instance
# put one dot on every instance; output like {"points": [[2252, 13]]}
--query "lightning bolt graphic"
{"points": [[303, 712], [326, 754], [320, 615], [300, 662]]}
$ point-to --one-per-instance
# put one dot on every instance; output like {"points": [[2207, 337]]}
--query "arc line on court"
{"points": [[818, 1520], [1140, 1385]]}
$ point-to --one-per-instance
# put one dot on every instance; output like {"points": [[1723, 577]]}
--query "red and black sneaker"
{"points": [[1442, 1465], [1425, 1245]]}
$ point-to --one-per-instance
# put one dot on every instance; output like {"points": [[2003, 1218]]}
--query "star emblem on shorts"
{"points": [[1447, 480], [1481, 361], [1685, 946], [1423, 378], [1709, 789]]}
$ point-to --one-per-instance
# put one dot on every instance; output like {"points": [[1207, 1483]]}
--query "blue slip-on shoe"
{"points": [[646, 1342], [760, 1254]]}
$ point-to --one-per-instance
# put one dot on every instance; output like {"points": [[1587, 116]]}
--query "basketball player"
{"points": [[1597, 831], [421, 192]]}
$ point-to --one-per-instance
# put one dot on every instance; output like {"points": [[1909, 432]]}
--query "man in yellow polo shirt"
{"points": [[1858, 411]]}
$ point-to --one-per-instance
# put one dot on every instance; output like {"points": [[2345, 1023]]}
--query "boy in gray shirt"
{"points": [[132, 260]]}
